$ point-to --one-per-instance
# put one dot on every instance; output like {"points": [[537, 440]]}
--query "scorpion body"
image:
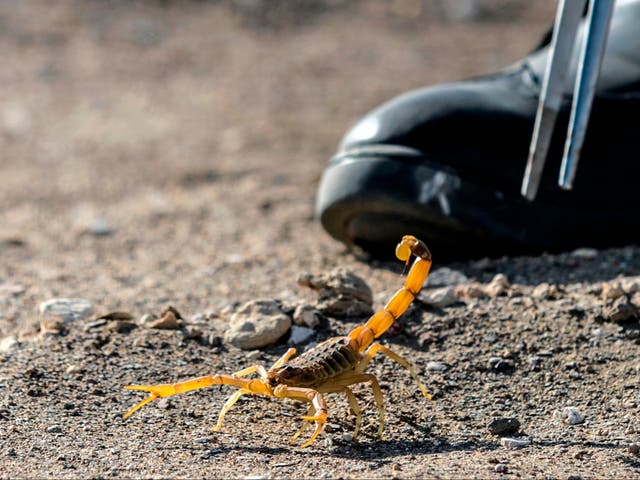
{"points": [[332, 366]]}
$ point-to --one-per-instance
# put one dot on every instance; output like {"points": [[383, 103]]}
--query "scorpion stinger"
{"points": [[332, 366]]}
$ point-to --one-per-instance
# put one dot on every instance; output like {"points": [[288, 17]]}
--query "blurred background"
{"points": [[145, 146], [93, 93]]}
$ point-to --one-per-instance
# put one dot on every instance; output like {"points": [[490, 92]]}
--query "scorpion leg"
{"points": [[309, 395], [355, 408], [345, 382], [377, 347], [227, 406], [304, 426], [236, 396], [284, 358]]}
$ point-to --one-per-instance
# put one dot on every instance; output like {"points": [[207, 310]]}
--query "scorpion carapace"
{"points": [[332, 366]]}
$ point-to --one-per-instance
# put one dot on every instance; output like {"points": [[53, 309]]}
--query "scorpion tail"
{"points": [[382, 320]]}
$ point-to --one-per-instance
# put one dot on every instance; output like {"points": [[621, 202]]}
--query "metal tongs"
{"points": [[565, 30]]}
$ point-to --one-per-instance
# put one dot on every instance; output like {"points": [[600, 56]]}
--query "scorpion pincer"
{"points": [[333, 366]]}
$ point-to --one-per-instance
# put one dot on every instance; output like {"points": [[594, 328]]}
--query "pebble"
{"points": [[99, 226], [300, 335], [341, 293], [57, 313], [256, 324], [445, 277], [573, 416], [634, 449], [513, 443], [438, 297], [54, 429], [439, 367], [7, 343], [170, 319], [471, 290], [611, 291], [501, 468], [121, 326], [545, 291], [306, 316], [585, 253], [620, 310], [630, 285], [499, 364], [535, 361], [147, 318], [201, 440], [497, 286], [504, 426], [570, 416]]}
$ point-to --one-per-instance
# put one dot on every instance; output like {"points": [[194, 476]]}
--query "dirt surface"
{"points": [[167, 153]]}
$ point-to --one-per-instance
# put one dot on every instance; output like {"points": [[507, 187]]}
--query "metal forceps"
{"points": [[565, 29]]}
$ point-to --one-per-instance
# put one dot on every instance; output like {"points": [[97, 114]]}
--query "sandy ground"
{"points": [[167, 153]]}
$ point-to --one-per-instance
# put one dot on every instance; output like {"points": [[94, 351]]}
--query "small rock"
{"points": [[214, 340], [99, 226], [634, 449], [630, 285], [611, 291], [54, 429], [121, 326], [438, 297], [498, 285], [471, 290], [499, 364], [346, 437], [535, 361], [620, 310], [445, 277], [256, 324], [545, 291], [192, 332], [73, 368], [300, 335], [58, 313], [341, 293], [570, 416], [439, 367], [514, 443], [125, 316], [306, 316], [201, 440], [585, 253], [504, 426], [170, 319], [147, 318], [7, 343], [501, 468]]}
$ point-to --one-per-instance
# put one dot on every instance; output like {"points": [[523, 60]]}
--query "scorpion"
{"points": [[332, 366]]}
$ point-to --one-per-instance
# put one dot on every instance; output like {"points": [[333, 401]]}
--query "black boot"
{"points": [[445, 163]]}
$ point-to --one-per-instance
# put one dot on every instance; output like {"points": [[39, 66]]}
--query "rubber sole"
{"points": [[373, 196]]}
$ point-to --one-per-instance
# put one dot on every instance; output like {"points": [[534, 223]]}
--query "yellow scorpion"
{"points": [[330, 367]]}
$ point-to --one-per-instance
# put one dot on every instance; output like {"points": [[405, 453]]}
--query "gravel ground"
{"points": [[162, 154]]}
